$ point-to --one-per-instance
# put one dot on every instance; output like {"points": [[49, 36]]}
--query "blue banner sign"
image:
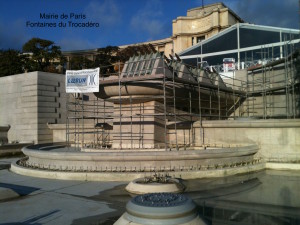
{"points": [[82, 81]]}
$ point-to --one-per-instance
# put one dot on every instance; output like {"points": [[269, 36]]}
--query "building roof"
{"points": [[211, 7], [240, 25]]}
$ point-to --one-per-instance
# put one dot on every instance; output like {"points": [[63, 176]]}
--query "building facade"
{"points": [[199, 24]]}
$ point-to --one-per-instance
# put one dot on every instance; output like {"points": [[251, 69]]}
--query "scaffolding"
{"points": [[273, 88], [182, 96]]}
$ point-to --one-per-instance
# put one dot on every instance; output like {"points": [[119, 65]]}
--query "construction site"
{"points": [[201, 127], [153, 101]]}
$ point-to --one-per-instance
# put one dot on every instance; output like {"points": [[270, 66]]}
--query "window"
{"points": [[196, 40], [200, 38]]}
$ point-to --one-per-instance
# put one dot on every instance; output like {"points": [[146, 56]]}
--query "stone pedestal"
{"points": [[140, 125], [160, 208]]}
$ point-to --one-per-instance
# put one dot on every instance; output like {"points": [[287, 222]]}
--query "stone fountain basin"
{"points": [[67, 158], [61, 162], [138, 186]]}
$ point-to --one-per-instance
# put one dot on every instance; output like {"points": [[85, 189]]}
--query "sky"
{"points": [[120, 22]]}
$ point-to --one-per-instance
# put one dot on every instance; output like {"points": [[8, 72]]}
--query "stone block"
{"points": [[297, 136], [137, 131], [47, 115], [30, 82], [29, 93], [35, 110], [32, 126], [48, 82], [48, 93], [48, 104], [44, 138], [41, 87], [11, 96], [29, 88], [279, 136], [30, 99]]}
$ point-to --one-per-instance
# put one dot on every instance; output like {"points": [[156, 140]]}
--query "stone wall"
{"points": [[28, 102], [3, 134], [144, 131], [278, 139]]}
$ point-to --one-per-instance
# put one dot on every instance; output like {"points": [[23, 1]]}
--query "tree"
{"points": [[44, 54], [11, 62], [106, 58], [80, 62], [134, 50]]}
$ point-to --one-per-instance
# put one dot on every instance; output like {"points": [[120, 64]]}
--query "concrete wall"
{"points": [[3, 134], [278, 139], [28, 102], [138, 131]]}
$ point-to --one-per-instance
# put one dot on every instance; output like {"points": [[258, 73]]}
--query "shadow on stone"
{"points": [[20, 189], [33, 220]]}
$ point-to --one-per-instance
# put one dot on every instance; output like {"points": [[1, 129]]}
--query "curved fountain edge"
{"points": [[142, 155], [108, 165], [129, 176]]}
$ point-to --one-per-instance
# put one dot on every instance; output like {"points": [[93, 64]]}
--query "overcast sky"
{"points": [[122, 21]]}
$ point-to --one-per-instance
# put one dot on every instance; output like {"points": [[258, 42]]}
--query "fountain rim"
{"points": [[135, 155]]}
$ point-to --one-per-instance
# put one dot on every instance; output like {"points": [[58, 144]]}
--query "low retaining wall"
{"points": [[279, 140]]}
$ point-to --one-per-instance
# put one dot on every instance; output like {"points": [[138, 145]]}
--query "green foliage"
{"points": [[80, 62], [44, 54], [133, 50], [11, 62], [106, 58], [107, 55]]}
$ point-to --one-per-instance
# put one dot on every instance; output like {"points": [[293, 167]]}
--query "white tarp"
{"points": [[82, 81]]}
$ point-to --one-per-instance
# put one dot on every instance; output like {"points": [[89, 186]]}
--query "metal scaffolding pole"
{"points": [[75, 121], [82, 129], [103, 127], [199, 105], [191, 120], [174, 109], [253, 112], [165, 104], [293, 77], [67, 120], [233, 87], [286, 77], [210, 106], [94, 124], [219, 98], [131, 122], [264, 91], [247, 97], [120, 106]]}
